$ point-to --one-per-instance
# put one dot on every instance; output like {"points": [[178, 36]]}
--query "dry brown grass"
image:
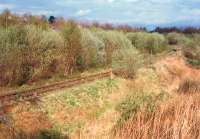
{"points": [[189, 86], [177, 119]]}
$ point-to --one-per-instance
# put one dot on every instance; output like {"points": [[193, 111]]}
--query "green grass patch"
{"points": [[70, 109]]}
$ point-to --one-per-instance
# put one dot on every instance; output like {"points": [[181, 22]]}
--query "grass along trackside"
{"points": [[143, 107], [86, 111]]}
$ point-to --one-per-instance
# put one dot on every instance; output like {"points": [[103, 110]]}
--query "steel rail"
{"points": [[13, 97]]}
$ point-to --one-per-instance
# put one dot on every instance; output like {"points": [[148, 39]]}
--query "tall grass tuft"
{"points": [[189, 86], [179, 118]]}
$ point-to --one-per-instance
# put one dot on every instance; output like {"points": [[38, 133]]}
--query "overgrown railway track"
{"points": [[13, 97]]}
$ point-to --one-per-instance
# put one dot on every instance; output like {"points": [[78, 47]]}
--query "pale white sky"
{"points": [[140, 12]]}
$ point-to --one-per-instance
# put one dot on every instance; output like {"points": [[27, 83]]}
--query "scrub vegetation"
{"points": [[154, 91]]}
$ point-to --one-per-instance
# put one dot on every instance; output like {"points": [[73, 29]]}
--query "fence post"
{"points": [[111, 74]]}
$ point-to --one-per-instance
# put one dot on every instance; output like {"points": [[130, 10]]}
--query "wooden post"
{"points": [[111, 74]]}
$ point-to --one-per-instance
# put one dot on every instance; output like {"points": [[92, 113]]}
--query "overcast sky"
{"points": [[144, 12]]}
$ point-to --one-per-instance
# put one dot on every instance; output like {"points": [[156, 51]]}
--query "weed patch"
{"points": [[69, 110], [139, 102]]}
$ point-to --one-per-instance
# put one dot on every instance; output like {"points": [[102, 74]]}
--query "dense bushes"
{"points": [[44, 48], [189, 45], [138, 39], [176, 38], [156, 43], [151, 43], [90, 55], [112, 40], [26, 52], [14, 63], [72, 42], [127, 61], [120, 54], [180, 39], [31, 52]]}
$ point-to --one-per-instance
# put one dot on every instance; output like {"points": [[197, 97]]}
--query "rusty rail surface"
{"points": [[13, 97]]}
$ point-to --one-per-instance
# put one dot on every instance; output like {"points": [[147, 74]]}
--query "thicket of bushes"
{"points": [[151, 43], [179, 39], [188, 42], [30, 53], [120, 54], [27, 52], [33, 50]]}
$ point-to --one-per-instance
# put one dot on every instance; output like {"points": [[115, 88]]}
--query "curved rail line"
{"points": [[16, 96]]}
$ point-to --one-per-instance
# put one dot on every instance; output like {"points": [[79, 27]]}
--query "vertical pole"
{"points": [[111, 74], [6, 23], [111, 79]]}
